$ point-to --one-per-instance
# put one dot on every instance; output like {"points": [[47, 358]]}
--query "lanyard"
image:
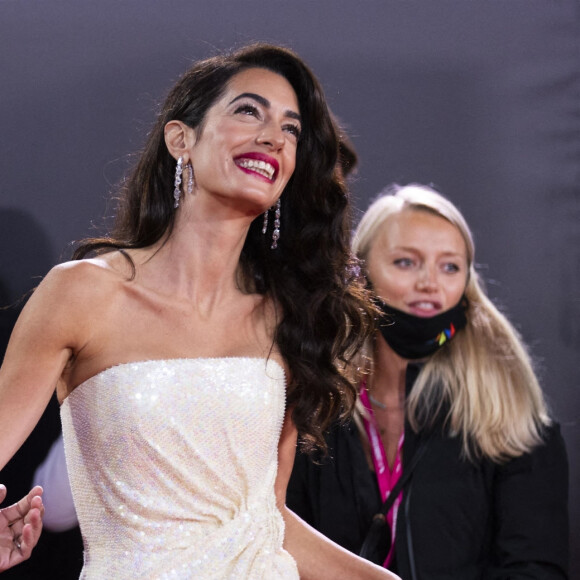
{"points": [[386, 477]]}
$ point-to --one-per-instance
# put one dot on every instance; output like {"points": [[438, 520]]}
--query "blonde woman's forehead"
{"points": [[413, 229]]}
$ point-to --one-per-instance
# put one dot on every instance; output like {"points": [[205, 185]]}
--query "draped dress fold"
{"points": [[172, 466]]}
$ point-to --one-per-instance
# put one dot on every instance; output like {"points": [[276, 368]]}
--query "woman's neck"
{"points": [[387, 382], [199, 261]]}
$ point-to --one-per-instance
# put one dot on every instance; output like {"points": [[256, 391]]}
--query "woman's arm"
{"points": [[44, 338], [531, 513], [20, 527], [317, 557]]}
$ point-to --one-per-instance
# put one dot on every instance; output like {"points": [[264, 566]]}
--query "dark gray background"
{"points": [[480, 98]]}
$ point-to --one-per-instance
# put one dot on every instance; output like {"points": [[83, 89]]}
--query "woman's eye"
{"points": [[248, 109], [450, 268], [403, 262], [293, 130]]}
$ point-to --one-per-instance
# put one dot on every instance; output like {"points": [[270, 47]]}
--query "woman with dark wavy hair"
{"points": [[207, 332]]}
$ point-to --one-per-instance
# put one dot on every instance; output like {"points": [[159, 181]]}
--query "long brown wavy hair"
{"points": [[324, 313]]}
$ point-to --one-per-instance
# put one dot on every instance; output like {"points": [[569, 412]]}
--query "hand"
{"points": [[20, 527]]}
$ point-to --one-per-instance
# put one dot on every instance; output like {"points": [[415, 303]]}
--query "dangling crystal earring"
{"points": [[189, 167], [265, 226], [276, 232], [177, 182]]}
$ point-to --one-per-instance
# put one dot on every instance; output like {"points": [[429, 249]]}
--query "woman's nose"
{"points": [[271, 136], [427, 280]]}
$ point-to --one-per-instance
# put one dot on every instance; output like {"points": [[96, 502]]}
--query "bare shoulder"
{"points": [[71, 293], [82, 279], [271, 314]]}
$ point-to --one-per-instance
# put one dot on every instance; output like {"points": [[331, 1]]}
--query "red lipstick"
{"points": [[254, 156]]}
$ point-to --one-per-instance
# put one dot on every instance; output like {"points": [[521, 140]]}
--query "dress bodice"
{"points": [[172, 465]]}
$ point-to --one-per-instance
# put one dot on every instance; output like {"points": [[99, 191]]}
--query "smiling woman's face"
{"points": [[247, 148], [418, 263]]}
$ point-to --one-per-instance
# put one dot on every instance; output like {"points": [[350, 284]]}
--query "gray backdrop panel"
{"points": [[481, 99]]}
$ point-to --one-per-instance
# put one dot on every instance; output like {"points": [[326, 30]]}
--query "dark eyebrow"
{"points": [[265, 103]]}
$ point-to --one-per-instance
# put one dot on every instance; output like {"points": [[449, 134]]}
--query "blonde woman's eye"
{"points": [[403, 262], [451, 268]]}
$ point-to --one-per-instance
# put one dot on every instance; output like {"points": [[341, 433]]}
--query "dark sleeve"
{"points": [[531, 514], [299, 495], [337, 494]]}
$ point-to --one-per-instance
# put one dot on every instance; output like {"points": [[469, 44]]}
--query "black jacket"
{"points": [[461, 520]]}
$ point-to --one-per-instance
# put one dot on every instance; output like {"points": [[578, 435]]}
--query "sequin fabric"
{"points": [[172, 465]]}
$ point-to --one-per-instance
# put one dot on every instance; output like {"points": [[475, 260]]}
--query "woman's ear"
{"points": [[179, 139]]}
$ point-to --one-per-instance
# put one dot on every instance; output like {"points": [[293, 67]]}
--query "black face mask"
{"points": [[414, 337]]}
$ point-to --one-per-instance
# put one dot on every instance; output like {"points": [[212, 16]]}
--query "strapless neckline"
{"points": [[173, 464], [176, 360]]}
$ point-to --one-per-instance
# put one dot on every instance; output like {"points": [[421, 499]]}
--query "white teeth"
{"points": [[425, 305], [261, 167]]}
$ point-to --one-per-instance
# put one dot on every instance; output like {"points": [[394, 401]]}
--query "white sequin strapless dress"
{"points": [[172, 465]]}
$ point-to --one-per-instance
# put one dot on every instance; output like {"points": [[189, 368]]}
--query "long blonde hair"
{"points": [[484, 376]]}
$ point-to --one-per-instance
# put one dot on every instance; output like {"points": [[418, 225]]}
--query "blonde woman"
{"points": [[447, 390]]}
